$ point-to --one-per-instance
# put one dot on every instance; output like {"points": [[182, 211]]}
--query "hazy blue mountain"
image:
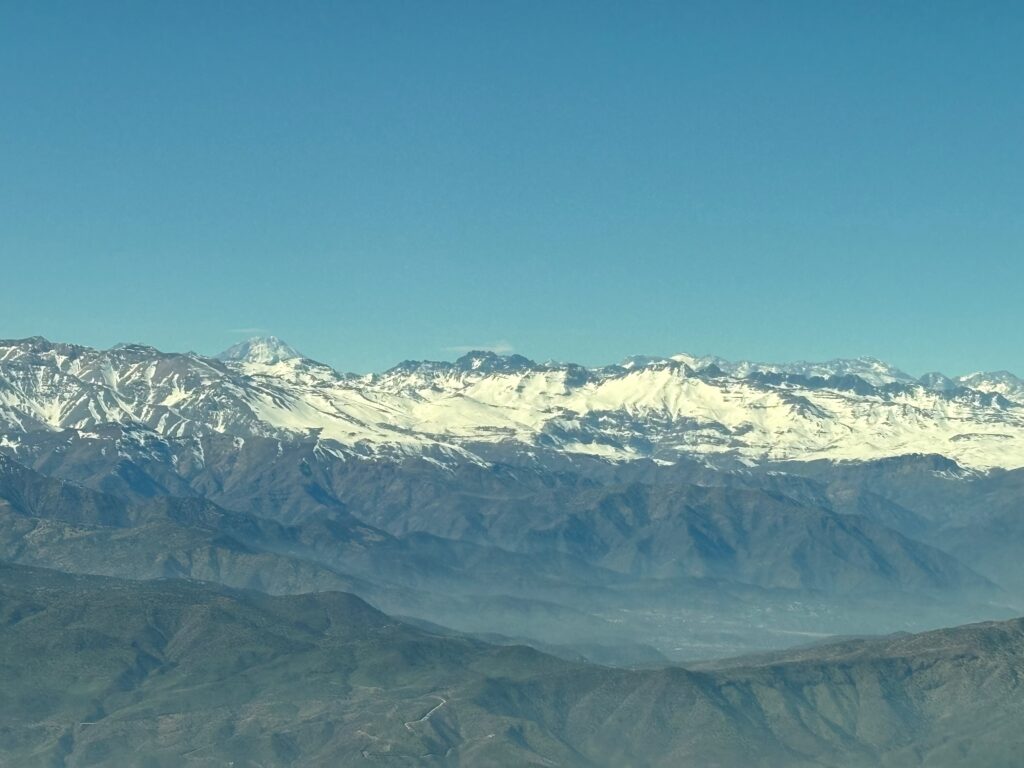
{"points": [[107, 672], [689, 570]]}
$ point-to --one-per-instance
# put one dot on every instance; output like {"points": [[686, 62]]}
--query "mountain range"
{"points": [[485, 405], [540, 546], [585, 510]]}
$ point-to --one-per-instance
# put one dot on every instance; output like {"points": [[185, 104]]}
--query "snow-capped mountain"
{"points": [[873, 371], [1001, 382], [259, 349], [657, 408]]}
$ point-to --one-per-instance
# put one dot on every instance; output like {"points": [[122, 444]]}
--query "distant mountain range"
{"points": [[659, 512], [484, 407], [662, 508]]}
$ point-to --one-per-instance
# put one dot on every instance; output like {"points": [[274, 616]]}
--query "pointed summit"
{"points": [[259, 349]]}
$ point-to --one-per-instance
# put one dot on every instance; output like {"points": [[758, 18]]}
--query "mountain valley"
{"points": [[684, 543]]}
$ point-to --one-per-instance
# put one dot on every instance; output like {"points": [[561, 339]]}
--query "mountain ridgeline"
{"points": [[161, 513], [485, 406]]}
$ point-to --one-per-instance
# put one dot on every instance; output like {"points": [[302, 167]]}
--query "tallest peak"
{"points": [[260, 349]]}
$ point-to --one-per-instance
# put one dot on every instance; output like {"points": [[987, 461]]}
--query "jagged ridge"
{"points": [[659, 408]]}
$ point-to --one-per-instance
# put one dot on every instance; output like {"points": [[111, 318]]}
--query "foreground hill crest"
{"points": [[484, 405], [324, 679]]}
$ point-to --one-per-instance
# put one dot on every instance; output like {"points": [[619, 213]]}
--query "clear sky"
{"points": [[374, 181]]}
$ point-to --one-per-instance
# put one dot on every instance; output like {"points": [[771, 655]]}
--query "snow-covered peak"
{"points": [[1000, 382], [478, 362], [875, 372], [693, 362], [642, 361], [937, 382], [260, 349], [483, 361]]}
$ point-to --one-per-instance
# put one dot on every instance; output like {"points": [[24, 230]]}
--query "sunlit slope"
{"points": [[650, 407]]}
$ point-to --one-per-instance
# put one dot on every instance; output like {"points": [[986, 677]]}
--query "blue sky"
{"points": [[375, 181]]}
